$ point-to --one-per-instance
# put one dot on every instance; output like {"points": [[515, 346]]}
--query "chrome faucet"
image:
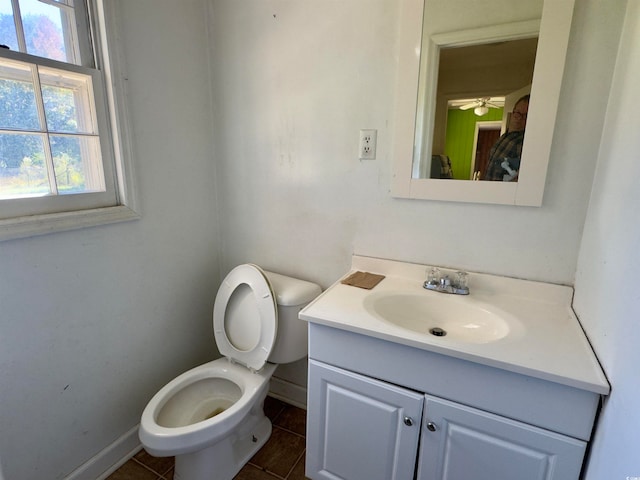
{"points": [[443, 284]]}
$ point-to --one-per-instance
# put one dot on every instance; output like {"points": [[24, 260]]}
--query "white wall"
{"points": [[607, 298], [93, 322], [293, 84]]}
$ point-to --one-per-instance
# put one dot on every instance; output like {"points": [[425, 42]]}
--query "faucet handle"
{"points": [[461, 279], [461, 286], [433, 276]]}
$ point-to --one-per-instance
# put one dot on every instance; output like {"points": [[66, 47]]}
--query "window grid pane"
{"points": [[67, 158], [49, 30], [75, 170], [7, 26], [18, 106], [23, 171], [44, 28], [68, 101]]}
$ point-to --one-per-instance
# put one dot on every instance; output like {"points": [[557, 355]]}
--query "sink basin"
{"points": [[449, 317]]}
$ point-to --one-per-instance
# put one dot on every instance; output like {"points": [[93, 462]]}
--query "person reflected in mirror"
{"points": [[504, 157]]}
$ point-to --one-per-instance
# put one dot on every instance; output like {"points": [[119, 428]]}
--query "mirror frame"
{"points": [[553, 39]]}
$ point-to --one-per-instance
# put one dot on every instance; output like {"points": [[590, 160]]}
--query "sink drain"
{"points": [[438, 332]]}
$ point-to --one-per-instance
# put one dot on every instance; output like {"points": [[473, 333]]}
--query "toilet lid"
{"points": [[245, 317]]}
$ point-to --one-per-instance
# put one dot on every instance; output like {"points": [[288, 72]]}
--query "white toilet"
{"points": [[211, 418]]}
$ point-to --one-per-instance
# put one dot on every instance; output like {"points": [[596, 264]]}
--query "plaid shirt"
{"points": [[508, 146]]}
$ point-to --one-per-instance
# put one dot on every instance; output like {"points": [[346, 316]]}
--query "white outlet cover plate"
{"points": [[367, 146]]}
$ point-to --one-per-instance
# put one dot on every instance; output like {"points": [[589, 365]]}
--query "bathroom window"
{"points": [[62, 154]]}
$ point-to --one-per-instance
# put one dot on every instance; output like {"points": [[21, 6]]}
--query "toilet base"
{"points": [[224, 459]]}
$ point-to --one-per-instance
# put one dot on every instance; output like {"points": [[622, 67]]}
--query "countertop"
{"points": [[546, 341]]}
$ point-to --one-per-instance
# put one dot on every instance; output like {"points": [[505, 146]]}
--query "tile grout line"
{"points": [[268, 472], [147, 467], [295, 464], [277, 415], [164, 476], [291, 432]]}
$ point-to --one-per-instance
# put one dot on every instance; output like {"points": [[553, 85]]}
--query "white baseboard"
{"points": [[109, 459], [288, 392]]}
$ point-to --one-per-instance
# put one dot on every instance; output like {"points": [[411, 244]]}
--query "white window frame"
{"points": [[108, 55]]}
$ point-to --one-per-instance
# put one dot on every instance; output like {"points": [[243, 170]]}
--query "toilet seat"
{"points": [[245, 317]]}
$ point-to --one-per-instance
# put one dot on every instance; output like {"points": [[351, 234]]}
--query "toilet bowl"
{"points": [[211, 417]]}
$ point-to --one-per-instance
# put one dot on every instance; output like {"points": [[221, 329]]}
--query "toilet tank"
{"points": [[292, 295]]}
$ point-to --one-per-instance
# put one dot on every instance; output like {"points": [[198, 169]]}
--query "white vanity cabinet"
{"points": [[380, 410], [460, 442], [349, 412]]}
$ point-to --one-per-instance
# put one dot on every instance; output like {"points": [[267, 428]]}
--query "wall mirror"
{"points": [[538, 34]]}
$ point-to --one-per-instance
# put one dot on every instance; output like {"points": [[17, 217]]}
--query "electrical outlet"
{"points": [[368, 144]]}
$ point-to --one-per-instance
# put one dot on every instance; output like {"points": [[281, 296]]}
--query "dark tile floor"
{"points": [[281, 458]]}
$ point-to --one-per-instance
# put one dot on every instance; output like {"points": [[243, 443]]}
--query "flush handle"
{"points": [[408, 421], [431, 427]]}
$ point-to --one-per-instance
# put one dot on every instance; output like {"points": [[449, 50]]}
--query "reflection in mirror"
{"points": [[481, 66], [474, 84], [467, 24]]}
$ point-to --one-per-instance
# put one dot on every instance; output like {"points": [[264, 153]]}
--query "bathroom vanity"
{"points": [[510, 391]]}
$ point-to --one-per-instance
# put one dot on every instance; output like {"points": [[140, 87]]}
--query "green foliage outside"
{"points": [[23, 168]]}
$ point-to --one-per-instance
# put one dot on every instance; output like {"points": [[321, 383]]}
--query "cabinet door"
{"points": [[359, 428], [460, 442]]}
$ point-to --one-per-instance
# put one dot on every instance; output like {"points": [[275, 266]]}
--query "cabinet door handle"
{"points": [[431, 427], [408, 421]]}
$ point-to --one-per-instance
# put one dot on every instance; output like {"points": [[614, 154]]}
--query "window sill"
{"points": [[34, 225]]}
